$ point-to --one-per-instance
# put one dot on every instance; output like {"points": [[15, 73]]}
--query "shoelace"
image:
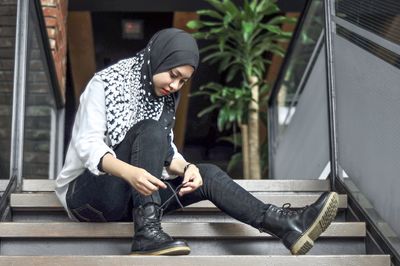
{"points": [[285, 209], [174, 194], [156, 229], [155, 224]]}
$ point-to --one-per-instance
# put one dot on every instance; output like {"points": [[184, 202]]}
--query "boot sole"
{"points": [[172, 251], [324, 219]]}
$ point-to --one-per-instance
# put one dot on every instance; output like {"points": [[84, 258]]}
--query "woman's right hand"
{"points": [[137, 177], [145, 183]]}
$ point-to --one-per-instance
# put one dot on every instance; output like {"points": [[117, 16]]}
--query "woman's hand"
{"points": [[192, 180], [145, 183], [137, 177]]}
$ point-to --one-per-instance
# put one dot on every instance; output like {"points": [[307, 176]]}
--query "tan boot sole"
{"points": [[324, 219], [168, 251]]}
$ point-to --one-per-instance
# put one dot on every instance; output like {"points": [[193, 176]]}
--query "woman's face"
{"points": [[172, 80]]}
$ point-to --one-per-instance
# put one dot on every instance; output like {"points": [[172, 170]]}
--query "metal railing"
{"points": [[371, 30], [37, 98]]}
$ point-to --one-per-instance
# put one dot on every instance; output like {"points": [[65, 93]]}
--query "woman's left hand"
{"points": [[192, 180]]}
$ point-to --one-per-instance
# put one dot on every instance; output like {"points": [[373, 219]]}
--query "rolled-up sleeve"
{"points": [[90, 133]]}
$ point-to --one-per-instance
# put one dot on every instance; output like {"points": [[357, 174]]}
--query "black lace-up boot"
{"points": [[149, 238], [298, 229]]}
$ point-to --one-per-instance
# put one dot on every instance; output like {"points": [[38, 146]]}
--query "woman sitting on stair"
{"points": [[122, 164]]}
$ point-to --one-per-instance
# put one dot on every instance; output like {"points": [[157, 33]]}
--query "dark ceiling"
{"points": [[162, 5]]}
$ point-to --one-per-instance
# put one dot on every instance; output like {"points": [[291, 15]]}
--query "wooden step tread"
{"points": [[228, 260], [175, 229], [49, 201], [250, 185]]}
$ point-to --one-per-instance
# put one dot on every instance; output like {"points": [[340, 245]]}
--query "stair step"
{"points": [[175, 229], [176, 216], [271, 185], [308, 260], [49, 201]]}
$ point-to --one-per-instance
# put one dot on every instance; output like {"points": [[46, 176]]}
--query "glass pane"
{"points": [[380, 17], [8, 14], [39, 106], [289, 93], [368, 45]]}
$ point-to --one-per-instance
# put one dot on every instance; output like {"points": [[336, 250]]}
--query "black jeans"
{"points": [[107, 198]]}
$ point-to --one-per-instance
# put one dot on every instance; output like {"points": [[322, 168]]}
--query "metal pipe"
{"points": [[53, 142], [331, 92], [20, 74], [60, 140]]}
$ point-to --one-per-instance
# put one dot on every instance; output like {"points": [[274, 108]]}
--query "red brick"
{"points": [[49, 2], [64, 6], [51, 22], [59, 40], [51, 32], [53, 44], [55, 12], [51, 12]]}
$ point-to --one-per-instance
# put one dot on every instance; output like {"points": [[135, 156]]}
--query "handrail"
{"points": [[5, 198], [44, 40], [30, 21], [19, 85], [331, 95]]}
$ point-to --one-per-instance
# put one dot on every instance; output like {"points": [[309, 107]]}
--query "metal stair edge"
{"points": [[277, 185], [176, 229], [228, 260], [49, 201]]}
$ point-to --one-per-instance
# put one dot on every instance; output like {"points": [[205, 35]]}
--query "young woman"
{"points": [[122, 164]]}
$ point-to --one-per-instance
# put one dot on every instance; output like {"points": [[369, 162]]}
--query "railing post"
{"points": [[20, 74], [331, 91]]}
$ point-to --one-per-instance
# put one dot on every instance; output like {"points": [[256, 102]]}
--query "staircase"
{"points": [[38, 231]]}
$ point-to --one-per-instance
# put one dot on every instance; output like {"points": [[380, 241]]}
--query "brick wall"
{"points": [[55, 13]]}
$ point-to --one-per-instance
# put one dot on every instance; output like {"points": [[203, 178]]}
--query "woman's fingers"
{"points": [[145, 183], [148, 184], [157, 182], [185, 190], [188, 187], [139, 187], [144, 191]]}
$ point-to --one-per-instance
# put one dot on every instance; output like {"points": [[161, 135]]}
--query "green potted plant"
{"points": [[242, 36]]}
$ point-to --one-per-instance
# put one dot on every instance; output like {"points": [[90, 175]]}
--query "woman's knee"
{"points": [[215, 181], [212, 171], [153, 131]]}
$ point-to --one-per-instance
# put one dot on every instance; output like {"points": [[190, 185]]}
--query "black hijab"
{"points": [[171, 48], [129, 92]]}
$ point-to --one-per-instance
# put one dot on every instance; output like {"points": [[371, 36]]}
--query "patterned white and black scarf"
{"points": [[129, 92]]}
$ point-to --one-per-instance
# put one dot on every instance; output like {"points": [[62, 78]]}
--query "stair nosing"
{"points": [[176, 229], [277, 185], [223, 260], [49, 201]]}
